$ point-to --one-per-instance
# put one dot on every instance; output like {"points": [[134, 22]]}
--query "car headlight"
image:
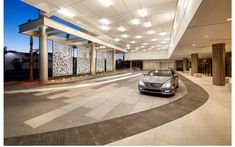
{"points": [[166, 85], [141, 83]]}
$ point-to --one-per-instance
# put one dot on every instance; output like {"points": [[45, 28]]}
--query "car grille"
{"points": [[152, 85]]}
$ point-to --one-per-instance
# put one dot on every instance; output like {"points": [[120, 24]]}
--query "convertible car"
{"points": [[160, 82]]}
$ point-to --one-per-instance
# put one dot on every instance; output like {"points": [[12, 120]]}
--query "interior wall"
{"points": [[158, 64], [62, 59], [83, 61]]}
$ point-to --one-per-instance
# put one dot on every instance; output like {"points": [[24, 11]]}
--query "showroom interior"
{"points": [[86, 90]]}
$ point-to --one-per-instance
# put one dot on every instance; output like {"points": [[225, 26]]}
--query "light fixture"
{"points": [[193, 44], [163, 42], [124, 35], [159, 45], [121, 29], [143, 12], [229, 19], [206, 36], [144, 50], [138, 36], [102, 46], [117, 39], [162, 33], [147, 24], [128, 45], [106, 3], [154, 39], [105, 28], [105, 21], [150, 32], [135, 21], [67, 13], [144, 44], [133, 42]]}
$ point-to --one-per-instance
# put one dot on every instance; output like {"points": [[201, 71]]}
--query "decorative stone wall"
{"points": [[109, 63], [83, 61], [62, 59], [100, 58]]}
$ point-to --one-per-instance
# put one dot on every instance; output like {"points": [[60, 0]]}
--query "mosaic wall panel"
{"points": [[62, 59], [100, 58], [83, 61], [109, 64]]}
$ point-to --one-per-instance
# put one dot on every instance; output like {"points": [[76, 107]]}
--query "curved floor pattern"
{"points": [[118, 128]]}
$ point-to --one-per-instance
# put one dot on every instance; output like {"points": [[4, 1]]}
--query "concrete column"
{"points": [[43, 55], [93, 59], [131, 65], [114, 60], [194, 64], [185, 64], [218, 64]]}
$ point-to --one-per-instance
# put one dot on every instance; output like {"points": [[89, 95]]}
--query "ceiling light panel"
{"points": [[142, 12], [135, 21], [148, 24], [150, 32], [106, 3], [104, 27], [124, 35], [105, 21], [66, 12], [121, 29]]}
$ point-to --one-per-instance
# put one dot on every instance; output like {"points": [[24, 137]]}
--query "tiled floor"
{"points": [[33, 112], [208, 125]]}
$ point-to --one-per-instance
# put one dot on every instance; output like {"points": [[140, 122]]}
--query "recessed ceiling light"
{"points": [[124, 35], [206, 36], [147, 24], [102, 46], [133, 42], [154, 39], [162, 33], [229, 19], [121, 29], [163, 42], [143, 12], [105, 28], [144, 44], [66, 12], [106, 3], [159, 45], [117, 39], [135, 21], [193, 44], [144, 50], [150, 32], [105, 21], [138, 36]]}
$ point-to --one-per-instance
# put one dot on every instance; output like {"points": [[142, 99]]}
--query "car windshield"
{"points": [[164, 73]]}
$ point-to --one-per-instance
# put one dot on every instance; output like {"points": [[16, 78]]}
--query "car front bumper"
{"points": [[164, 91]]}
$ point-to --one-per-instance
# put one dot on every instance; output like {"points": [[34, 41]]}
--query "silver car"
{"points": [[160, 82]]}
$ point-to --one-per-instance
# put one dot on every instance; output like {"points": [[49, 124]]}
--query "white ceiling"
{"points": [[89, 12], [210, 20]]}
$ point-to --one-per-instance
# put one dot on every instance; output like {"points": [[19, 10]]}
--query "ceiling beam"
{"points": [[23, 28]]}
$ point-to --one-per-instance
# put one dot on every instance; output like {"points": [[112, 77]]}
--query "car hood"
{"points": [[155, 79]]}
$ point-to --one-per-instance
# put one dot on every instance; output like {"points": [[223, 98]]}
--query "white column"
{"points": [[43, 55], [93, 59], [114, 60]]}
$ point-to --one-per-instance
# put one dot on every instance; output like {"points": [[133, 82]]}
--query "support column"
{"points": [[43, 55], [185, 64], [31, 59], [93, 59], [194, 64], [131, 65], [114, 60], [218, 64]]}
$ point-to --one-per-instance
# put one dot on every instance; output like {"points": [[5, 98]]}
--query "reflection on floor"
{"points": [[208, 125], [28, 113]]}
